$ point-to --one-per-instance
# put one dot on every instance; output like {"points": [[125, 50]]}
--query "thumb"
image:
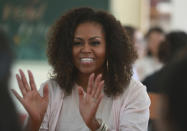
{"points": [[46, 92]]}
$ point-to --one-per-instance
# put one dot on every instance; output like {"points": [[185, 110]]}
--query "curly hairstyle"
{"points": [[120, 53]]}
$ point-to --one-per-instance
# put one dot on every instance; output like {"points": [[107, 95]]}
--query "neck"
{"points": [[82, 80]]}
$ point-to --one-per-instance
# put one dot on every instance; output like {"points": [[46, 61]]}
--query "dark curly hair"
{"points": [[120, 53]]}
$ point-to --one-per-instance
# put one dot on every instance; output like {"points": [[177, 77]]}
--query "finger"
{"points": [[20, 83], [46, 92], [31, 81], [17, 96], [96, 83], [90, 83], [98, 101], [24, 80], [99, 89], [81, 92]]}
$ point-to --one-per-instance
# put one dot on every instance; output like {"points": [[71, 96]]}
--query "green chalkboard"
{"points": [[27, 22]]}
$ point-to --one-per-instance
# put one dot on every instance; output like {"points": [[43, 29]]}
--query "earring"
{"points": [[107, 64]]}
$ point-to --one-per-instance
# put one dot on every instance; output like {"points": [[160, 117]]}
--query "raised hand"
{"points": [[89, 101], [35, 105]]}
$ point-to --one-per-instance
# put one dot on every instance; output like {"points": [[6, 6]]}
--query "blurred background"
{"points": [[27, 23]]}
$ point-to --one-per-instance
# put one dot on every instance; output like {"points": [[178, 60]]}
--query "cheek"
{"points": [[102, 55], [74, 52]]}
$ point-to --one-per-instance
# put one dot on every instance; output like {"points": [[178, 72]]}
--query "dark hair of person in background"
{"points": [[173, 84], [8, 115], [174, 41], [118, 70], [155, 29]]}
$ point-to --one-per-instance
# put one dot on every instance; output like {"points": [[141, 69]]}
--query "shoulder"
{"points": [[135, 92], [134, 86]]}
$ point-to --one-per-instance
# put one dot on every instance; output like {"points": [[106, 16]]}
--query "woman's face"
{"points": [[89, 49]]}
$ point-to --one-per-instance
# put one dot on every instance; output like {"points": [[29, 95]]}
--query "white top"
{"points": [[70, 113], [128, 112]]}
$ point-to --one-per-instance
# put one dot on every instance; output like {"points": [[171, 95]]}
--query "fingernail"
{"points": [[100, 75], [93, 74]]}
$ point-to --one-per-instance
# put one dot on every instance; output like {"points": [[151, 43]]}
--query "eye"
{"points": [[76, 43], [95, 43]]}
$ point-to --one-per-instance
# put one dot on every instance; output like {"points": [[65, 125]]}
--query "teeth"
{"points": [[86, 59]]}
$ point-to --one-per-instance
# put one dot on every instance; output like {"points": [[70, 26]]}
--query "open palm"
{"points": [[32, 101], [90, 100]]}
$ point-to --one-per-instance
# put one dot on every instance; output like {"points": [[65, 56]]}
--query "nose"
{"points": [[86, 48]]}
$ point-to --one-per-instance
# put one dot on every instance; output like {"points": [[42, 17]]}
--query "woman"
{"points": [[91, 86]]}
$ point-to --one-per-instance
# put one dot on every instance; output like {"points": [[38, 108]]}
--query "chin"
{"points": [[87, 71]]}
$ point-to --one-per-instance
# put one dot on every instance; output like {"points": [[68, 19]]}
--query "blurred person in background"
{"points": [[174, 42], [91, 87], [9, 120], [173, 105], [136, 37], [150, 62]]}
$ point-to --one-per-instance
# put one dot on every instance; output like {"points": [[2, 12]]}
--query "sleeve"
{"points": [[134, 114]]}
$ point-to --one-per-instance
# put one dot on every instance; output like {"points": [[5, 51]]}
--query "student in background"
{"points": [[150, 62], [8, 116], [173, 84]]}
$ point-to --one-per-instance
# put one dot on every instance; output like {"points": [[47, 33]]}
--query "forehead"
{"points": [[89, 28]]}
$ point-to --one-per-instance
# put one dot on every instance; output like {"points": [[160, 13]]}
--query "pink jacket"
{"points": [[130, 110]]}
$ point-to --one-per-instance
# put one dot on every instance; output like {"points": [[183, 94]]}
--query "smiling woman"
{"points": [[89, 53], [91, 87]]}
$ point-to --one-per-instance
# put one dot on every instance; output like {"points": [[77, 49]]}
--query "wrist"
{"points": [[102, 127], [33, 125], [95, 124]]}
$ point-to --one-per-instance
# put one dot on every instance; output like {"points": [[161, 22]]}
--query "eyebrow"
{"points": [[92, 38]]}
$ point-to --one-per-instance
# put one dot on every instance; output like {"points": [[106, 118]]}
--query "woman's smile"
{"points": [[87, 61]]}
